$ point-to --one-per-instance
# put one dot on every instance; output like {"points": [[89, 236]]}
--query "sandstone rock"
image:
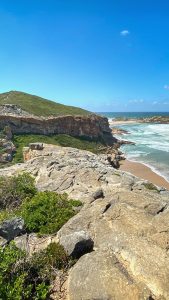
{"points": [[31, 243], [129, 226], [127, 181], [93, 127], [36, 146], [76, 244], [9, 229], [100, 275]]}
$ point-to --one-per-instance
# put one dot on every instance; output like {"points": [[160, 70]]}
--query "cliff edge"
{"points": [[25, 113]]}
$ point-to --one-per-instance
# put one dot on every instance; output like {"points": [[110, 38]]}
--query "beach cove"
{"points": [[147, 157]]}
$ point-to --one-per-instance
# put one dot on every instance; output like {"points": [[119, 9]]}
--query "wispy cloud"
{"points": [[166, 87], [136, 101], [160, 102], [155, 102], [124, 32]]}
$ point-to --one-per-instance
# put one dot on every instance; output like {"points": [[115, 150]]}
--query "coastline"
{"points": [[123, 122], [138, 169], [144, 172]]}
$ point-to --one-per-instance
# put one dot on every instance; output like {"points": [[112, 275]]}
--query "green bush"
{"points": [[23, 140], [47, 212], [16, 280], [47, 261], [22, 278], [14, 189]]}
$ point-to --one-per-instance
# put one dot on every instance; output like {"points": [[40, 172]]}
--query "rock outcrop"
{"points": [[7, 148], [9, 229], [92, 127], [122, 225]]}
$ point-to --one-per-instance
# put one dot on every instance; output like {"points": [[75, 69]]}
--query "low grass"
{"points": [[63, 140], [39, 106]]}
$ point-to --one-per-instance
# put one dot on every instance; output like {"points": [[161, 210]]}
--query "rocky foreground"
{"points": [[123, 225]]}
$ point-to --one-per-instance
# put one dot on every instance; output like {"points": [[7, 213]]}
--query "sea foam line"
{"points": [[150, 167]]}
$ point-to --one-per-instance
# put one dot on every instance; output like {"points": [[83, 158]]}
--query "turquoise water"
{"points": [[151, 144]]}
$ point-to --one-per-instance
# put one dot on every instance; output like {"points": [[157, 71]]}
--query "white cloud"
{"points": [[166, 103], [166, 87], [136, 101], [124, 32]]}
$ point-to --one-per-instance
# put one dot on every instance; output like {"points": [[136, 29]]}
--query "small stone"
{"points": [[36, 146], [98, 194], [9, 229]]}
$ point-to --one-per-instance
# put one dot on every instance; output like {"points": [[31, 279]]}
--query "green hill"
{"points": [[39, 106]]}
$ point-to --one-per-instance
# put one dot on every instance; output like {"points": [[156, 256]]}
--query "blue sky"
{"points": [[101, 55]]}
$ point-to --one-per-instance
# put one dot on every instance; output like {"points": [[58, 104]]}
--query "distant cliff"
{"points": [[92, 127], [26, 113]]}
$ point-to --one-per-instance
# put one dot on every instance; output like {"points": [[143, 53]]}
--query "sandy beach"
{"points": [[122, 122], [144, 172]]}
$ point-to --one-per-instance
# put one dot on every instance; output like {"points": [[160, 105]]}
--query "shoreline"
{"points": [[123, 122], [144, 172]]}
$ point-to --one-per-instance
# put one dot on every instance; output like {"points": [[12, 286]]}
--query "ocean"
{"points": [[151, 142]]}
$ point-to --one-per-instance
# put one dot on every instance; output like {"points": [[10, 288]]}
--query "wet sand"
{"points": [[144, 172]]}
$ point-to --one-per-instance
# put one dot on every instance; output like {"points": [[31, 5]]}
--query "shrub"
{"points": [[46, 262], [14, 189], [22, 279], [15, 277], [47, 212]]}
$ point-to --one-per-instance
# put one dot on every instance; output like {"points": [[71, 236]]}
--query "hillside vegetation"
{"points": [[21, 276], [63, 140], [39, 106]]}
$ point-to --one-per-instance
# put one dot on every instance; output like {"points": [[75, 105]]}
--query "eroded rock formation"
{"points": [[92, 127], [125, 222]]}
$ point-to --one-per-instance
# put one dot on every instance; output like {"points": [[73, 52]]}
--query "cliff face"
{"points": [[92, 127]]}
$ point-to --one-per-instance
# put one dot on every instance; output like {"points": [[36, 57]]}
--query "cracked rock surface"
{"points": [[127, 223]]}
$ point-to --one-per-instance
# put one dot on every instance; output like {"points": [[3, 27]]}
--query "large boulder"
{"points": [[101, 276], [76, 244]]}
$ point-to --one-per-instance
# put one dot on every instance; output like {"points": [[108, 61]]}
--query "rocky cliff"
{"points": [[92, 127], [125, 219]]}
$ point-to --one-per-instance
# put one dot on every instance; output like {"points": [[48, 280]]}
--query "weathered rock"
{"points": [[36, 146], [8, 132], [76, 244], [3, 241], [31, 243], [9, 229], [118, 130], [92, 127], [100, 275], [98, 194], [127, 181], [129, 226]]}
